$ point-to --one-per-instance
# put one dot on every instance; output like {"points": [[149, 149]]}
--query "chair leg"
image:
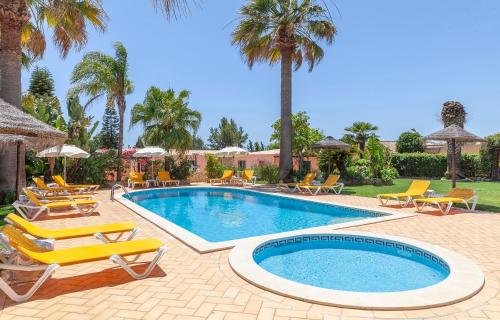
{"points": [[106, 239], [139, 276], [24, 297], [86, 212]]}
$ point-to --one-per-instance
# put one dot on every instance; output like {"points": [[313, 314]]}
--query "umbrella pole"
{"points": [[64, 168], [453, 164]]}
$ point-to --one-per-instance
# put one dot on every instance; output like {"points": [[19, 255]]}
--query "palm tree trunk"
{"points": [[286, 115], [13, 16], [121, 110]]}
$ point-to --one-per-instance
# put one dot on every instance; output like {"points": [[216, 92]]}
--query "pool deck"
{"points": [[189, 285]]}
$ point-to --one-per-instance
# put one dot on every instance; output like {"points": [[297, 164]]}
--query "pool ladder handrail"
{"points": [[117, 186]]}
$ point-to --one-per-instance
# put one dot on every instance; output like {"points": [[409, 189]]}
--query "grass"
{"points": [[488, 192], [4, 211]]}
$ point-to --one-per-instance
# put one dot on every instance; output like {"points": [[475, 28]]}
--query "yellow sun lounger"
{"points": [[417, 189], [31, 209], [29, 256], [226, 177], [101, 231], [40, 194], [135, 178], [164, 178], [45, 190], [445, 203], [248, 176], [63, 184], [295, 186], [331, 183]]}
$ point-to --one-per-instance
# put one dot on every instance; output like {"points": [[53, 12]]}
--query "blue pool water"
{"points": [[353, 265], [217, 214]]}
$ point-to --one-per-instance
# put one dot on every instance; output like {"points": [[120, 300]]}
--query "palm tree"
{"points": [[453, 112], [359, 133], [167, 119], [285, 31], [100, 75], [22, 24]]}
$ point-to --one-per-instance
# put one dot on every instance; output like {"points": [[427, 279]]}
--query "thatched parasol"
{"points": [[453, 134], [330, 143], [19, 128]]}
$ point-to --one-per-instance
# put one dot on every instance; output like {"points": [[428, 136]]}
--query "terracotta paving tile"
{"points": [[188, 285]]}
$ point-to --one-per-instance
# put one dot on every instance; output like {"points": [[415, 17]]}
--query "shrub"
{"points": [[179, 170], [93, 169], [388, 175], [7, 197], [410, 142], [214, 168], [268, 172], [358, 172]]}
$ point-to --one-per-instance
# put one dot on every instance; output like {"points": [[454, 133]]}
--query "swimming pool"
{"points": [[220, 215], [358, 270]]}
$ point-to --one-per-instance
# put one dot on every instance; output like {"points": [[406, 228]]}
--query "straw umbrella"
{"points": [[452, 135], [330, 143], [22, 130]]}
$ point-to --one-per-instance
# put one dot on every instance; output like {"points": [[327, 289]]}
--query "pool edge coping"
{"points": [[203, 246], [465, 280]]}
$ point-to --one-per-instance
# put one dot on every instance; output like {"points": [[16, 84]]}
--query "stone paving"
{"points": [[187, 285]]}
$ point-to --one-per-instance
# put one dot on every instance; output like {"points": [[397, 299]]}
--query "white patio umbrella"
{"points": [[66, 151], [150, 152], [230, 152]]}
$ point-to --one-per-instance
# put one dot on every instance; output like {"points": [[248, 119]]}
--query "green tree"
{"points": [[167, 119], [303, 135], [108, 137], [254, 146], [98, 75], [493, 154], [453, 112], [409, 142], [228, 134], [41, 82], [80, 126], [359, 133], [198, 143], [286, 31]]}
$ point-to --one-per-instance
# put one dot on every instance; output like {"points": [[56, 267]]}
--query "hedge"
{"points": [[434, 165]]}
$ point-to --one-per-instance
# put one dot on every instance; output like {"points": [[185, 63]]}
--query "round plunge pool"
{"points": [[358, 270]]}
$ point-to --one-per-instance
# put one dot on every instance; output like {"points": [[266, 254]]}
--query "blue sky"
{"points": [[393, 63]]}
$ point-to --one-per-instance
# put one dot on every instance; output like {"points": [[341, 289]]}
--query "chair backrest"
{"points": [[40, 184], [59, 180], [461, 193], [135, 177], [332, 180], [18, 239], [419, 186], [164, 175], [33, 198], [309, 178], [227, 174], [247, 174]]}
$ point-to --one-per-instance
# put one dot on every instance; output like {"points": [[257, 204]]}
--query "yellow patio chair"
{"points": [[456, 195], [63, 184], [164, 178], [331, 183], [31, 209], [45, 190], [417, 189], [227, 175], [135, 178], [50, 196], [101, 231], [248, 176], [295, 186], [35, 258]]}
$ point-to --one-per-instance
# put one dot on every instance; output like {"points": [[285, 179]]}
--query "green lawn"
{"points": [[4, 211], [488, 192]]}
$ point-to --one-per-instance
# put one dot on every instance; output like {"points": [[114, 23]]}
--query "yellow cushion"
{"points": [[44, 233], [228, 174], [18, 239], [61, 204], [440, 200], [247, 174], [93, 252]]}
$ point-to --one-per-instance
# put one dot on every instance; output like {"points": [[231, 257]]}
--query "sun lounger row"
{"points": [[306, 185], [228, 177], [136, 179]]}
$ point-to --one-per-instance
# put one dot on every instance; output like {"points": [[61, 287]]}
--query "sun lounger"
{"points": [[63, 184], [331, 183], [248, 176], [45, 190], [164, 178], [135, 178], [445, 203], [40, 194], [31, 209], [101, 231], [417, 189], [32, 257], [295, 186], [227, 175]]}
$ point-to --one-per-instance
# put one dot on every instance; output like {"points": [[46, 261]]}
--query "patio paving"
{"points": [[188, 285]]}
